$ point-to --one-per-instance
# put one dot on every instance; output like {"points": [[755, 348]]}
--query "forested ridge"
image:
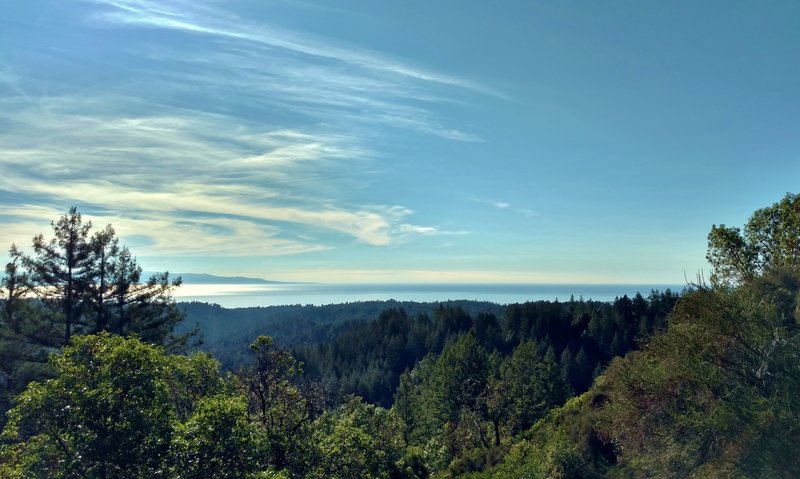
{"points": [[368, 359], [697, 384], [291, 325]]}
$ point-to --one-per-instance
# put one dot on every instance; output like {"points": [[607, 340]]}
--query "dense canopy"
{"points": [[701, 384]]}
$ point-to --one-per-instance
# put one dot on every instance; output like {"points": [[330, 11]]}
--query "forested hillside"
{"points": [[698, 385], [583, 336], [226, 333]]}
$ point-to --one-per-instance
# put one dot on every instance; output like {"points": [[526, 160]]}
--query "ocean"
{"points": [[249, 295]]}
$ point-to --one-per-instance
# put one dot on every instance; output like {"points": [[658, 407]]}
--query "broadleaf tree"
{"points": [[770, 239]]}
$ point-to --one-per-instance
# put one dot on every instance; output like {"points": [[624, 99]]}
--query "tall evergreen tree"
{"points": [[534, 385], [60, 270], [89, 283]]}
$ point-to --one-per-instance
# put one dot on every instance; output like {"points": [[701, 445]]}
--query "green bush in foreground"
{"points": [[120, 408]]}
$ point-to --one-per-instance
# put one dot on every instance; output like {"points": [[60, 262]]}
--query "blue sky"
{"points": [[353, 141]]}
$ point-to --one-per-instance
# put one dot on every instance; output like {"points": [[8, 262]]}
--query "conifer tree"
{"points": [[89, 283]]}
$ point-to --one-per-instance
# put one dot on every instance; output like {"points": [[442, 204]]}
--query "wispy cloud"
{"points": [[428, 230], [259, 64], [502, 205], [217, 181], [193, 18], [424, 230], [255, 135]]}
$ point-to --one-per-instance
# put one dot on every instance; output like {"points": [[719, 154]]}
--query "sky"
{"points": [[400, 141]]}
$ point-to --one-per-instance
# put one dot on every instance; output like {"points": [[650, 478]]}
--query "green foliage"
{"points": [[369, 359], [283, 409], [112, 410], [89, 283], [459, 378], [712, 393], [83, 283], [475, 461], [20, 359], [359, 440], [193, 378], [564, 443], [556, 458], [452, 400], [454, 414], [298, 326], [532, 386], [413, 464], [463, 408], [771, 239], [716, 392], [216, 441], [413, 405]]}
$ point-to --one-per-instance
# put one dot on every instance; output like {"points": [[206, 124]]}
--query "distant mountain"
{"points": [[202, 278]]}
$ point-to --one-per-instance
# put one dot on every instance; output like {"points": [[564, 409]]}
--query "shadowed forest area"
{"points": [[102, 375]]}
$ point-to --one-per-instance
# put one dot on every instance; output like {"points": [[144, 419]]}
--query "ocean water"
{"points": [[248, 295]]}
